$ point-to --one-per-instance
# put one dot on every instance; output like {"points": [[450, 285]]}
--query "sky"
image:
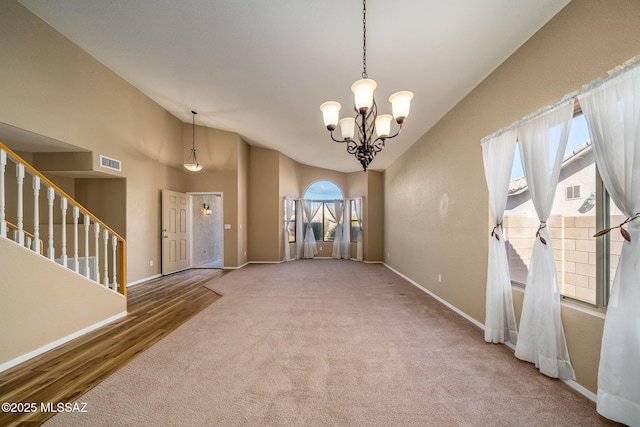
{"points": [[323, 190], [578, 135]]}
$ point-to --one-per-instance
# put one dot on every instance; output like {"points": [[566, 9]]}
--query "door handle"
{"points": [[165, 237]]}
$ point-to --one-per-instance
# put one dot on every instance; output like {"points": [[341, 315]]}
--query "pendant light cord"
{"points": [[193, 130], [364, 39]]}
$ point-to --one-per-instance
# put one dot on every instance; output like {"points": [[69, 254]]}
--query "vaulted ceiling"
{"points": [[262, 68]]}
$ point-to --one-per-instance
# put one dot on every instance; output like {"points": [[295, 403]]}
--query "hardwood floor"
{"points": [[155, 308]]}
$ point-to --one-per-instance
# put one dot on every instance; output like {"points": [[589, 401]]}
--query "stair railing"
{"points": [[102, 257]]}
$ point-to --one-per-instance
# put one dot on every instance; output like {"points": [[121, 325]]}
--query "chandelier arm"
{"points": [[338, 140], [390, 136]]}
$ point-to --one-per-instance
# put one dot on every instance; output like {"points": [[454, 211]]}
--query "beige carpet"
{"points": [[328, 343]]}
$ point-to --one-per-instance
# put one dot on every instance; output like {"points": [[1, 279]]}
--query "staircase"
{"points": [[84, 244], [62, 270]]}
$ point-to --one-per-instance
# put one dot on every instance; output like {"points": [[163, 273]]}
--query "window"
{"points": [[576, 216], [290, 223], [355, 224], [323, 223], [572, 192]]}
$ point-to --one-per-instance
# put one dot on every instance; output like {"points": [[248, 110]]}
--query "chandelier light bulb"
{"points": [[400, 105], [347, 127], [330, 114], [363, 94], [383, 125]]}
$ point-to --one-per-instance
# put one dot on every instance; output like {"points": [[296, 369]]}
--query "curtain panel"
{"points": [[346, 229], [612, 110], [358, 213], [335, 210], [541, 339], [289, 215], [299, 229], [310, 210], [500, 321]]}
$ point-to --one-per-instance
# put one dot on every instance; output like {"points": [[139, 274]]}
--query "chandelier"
{"points": [[191, 164], [366, 121]]}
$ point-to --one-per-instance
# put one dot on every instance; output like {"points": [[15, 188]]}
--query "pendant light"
{"points": [[192, 162], [364, 146]]}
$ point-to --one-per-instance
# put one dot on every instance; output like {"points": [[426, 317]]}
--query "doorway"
{"points": [[175, 232], [206, 230]]}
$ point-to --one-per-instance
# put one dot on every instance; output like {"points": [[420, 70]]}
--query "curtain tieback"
{"points": [[623, 231], [494, 233], [543, 224]]}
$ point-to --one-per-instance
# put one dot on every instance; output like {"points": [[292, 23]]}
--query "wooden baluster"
{"points": [[3, 222], [51, 196], [106, 258], [36, 214], [76, 262], [96, 229], [63, 208], [114, 274], [87, 222], [20, 213]]}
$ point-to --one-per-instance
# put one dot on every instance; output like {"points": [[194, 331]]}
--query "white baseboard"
{"points": [[452, 307], [235, 268], [265, 262], [571, 383], [59, 342], [574, 385], [146, 279]]}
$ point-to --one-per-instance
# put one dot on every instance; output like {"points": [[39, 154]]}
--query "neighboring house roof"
{"points": [[519, 185]]}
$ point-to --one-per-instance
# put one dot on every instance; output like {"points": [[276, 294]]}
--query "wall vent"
{"points": [[109, 163]]}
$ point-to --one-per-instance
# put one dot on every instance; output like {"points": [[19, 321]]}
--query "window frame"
{"points": [[602, 243], [294, 221]]}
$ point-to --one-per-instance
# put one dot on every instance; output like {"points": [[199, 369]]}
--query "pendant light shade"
{"points": [[363, 94], [400, 105], [191, 164]]}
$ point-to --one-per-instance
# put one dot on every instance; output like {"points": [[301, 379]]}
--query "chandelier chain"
{"points": [[364, 39]]}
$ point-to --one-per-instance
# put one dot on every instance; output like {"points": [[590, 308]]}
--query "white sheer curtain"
{"points": [[358, 208], [335, 211], [289, 215], [310, 210], [299, 229], [500, 320], [612, 110], [346, 229], [541, 339]]}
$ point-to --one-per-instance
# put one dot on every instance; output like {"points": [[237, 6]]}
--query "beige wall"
{"points": [[265, 205], [224, 157], [53, 88], [436, 202], [64, 303]]}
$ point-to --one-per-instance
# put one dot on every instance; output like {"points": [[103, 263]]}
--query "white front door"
{"points": [[175, 232]]}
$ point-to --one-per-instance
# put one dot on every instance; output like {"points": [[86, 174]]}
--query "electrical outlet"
{"points": [[150, 263], [320, 247], [439, 278]]}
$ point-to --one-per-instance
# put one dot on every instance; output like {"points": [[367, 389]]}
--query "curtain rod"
{"points": [[612, 74]]}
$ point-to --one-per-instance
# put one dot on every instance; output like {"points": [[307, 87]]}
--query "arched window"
{"points": [[323, 223]]}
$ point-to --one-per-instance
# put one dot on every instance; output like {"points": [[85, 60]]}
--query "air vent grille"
{"points": [[110, 163]]}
